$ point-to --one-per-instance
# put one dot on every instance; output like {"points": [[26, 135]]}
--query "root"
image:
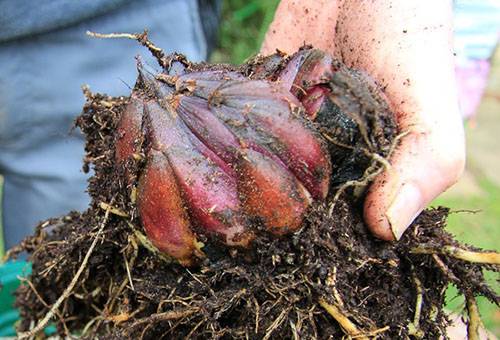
{"points": [[370, 174], [54, 309], [146, 243], [279, 320], [335, 142], [105, 206], [39, 297], [378, 164], [414, 327], [142, 38], [165, 316], [372, 333], [110, 306], [331, 281], [474, 324], [461, 254], [445, 269], [132, 261], [347, 325]]}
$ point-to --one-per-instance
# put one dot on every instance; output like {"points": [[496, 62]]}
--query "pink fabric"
{"points": [[472, 78]]}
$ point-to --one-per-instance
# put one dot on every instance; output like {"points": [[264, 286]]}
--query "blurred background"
{"points": [[475, 200]]}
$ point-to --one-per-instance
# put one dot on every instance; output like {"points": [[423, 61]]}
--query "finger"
{"points": [[297, 23], [422, 167]]}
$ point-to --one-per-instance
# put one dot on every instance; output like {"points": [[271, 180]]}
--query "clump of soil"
{"points": [[96, 275]]}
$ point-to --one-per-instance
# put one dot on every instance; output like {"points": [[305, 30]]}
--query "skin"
{"points": [[406, 46]]}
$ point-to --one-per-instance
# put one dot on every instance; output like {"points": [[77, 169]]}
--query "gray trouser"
{"points": [[40, 96]]}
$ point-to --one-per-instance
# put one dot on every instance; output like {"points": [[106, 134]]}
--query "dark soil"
{"points": [[271, 291]]}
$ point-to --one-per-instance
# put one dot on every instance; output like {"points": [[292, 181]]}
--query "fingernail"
{"points": [[404, 209]]}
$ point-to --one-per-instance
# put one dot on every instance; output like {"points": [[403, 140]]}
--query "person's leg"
{"points": [[40, 96]]}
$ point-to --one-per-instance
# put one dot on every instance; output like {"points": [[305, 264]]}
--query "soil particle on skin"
{"points": [[276, 290]]}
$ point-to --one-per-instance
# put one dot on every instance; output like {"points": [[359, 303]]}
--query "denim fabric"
{"points": [[21, 18]]}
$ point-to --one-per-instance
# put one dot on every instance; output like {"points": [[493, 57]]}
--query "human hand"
{"points": [[406, 47]]}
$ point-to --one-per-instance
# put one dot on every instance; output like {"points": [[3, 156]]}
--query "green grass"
{"points": [[480, 229], [242, 29], [480, 221]]}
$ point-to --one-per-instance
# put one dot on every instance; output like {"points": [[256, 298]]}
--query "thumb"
{"points": [[429, 159]]}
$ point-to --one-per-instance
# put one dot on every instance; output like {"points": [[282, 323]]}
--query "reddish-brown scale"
{"points": [[271, 193], [306, 75], [204, 83], [208, 128], [129, 132], [316, 69], [162, 210]]}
